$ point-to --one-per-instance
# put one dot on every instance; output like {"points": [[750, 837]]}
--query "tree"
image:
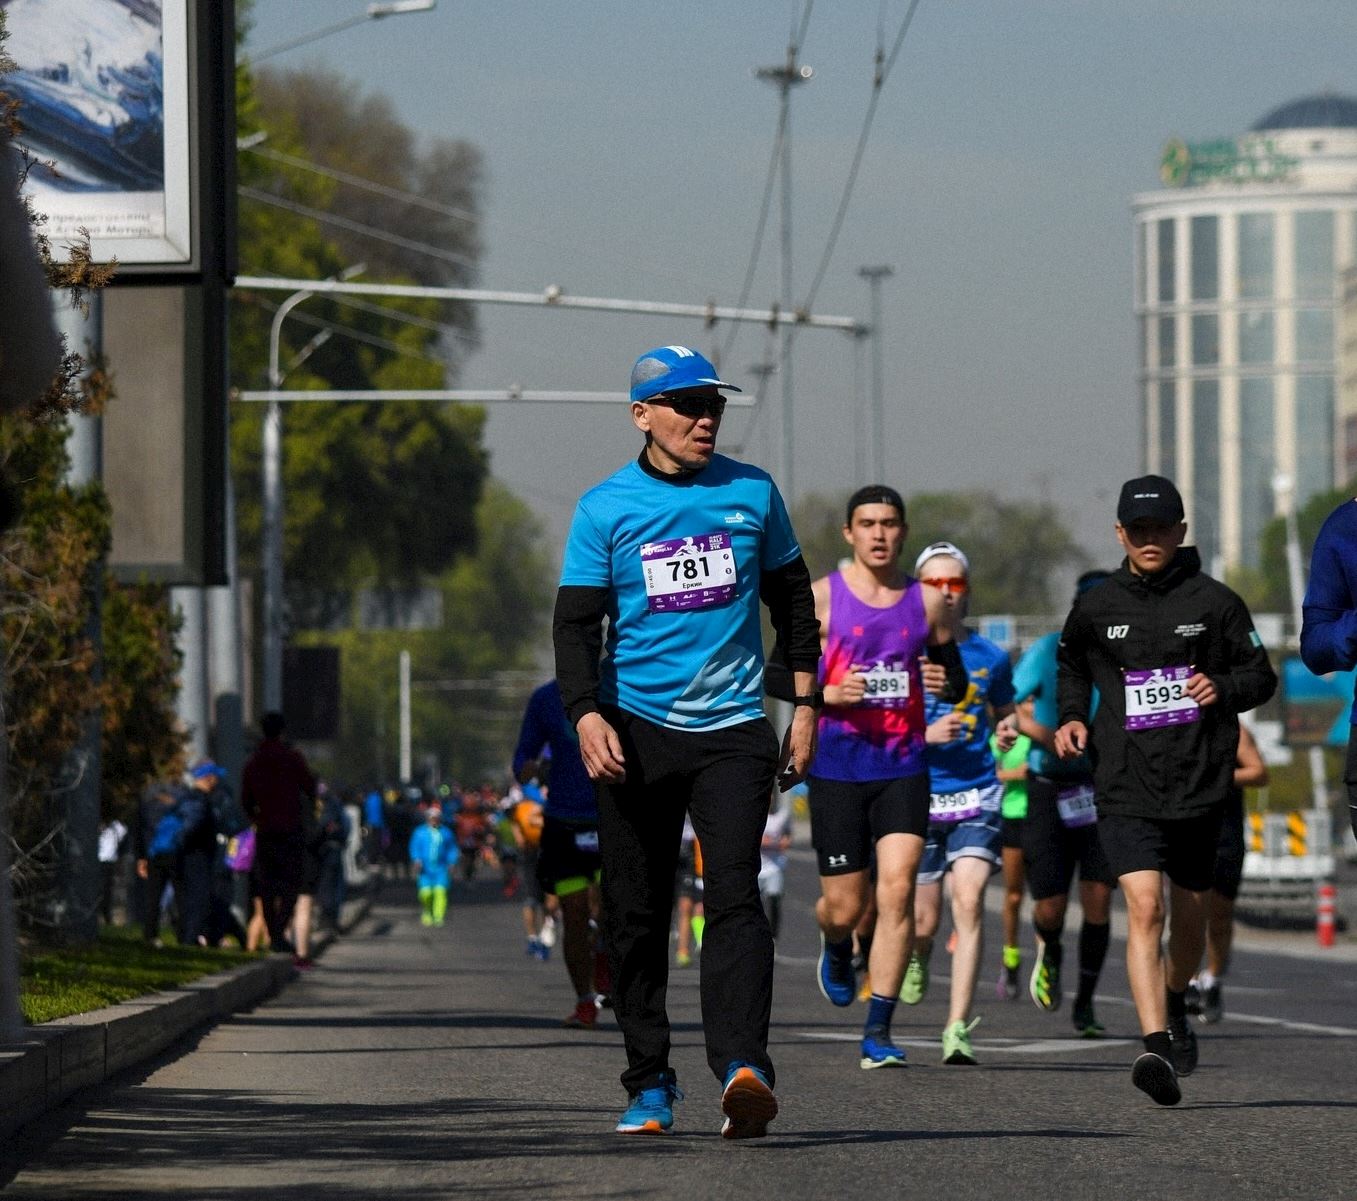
{"points": [[1267, 588], [385, 491], [48, 582], [495, 603], [1017, 548]]}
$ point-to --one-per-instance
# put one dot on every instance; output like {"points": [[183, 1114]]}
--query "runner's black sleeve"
{"points": [[791, 609], [948, 655], [1074, 679], [577, 634]]}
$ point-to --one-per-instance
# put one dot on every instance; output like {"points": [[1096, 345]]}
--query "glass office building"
{"points": [[1241, 262]]}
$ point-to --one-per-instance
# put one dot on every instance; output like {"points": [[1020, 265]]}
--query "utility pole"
{"points": [[874, 276], [786, 77], [76, 910]]}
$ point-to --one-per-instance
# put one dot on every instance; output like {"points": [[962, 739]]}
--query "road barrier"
{"points": [[1288, 856]]}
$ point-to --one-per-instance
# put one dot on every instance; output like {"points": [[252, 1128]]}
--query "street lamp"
{"points": [[273, 505], [373, 12]]}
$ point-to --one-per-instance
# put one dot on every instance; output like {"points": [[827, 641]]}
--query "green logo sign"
{"points": [[1226, 160]]}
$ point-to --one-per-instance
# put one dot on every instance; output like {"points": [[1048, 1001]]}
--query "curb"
{"points": [[57, 1059]]}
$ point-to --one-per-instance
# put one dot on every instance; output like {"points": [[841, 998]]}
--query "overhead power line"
{"points": [[366, 185], [880, 75], [357, 227]]}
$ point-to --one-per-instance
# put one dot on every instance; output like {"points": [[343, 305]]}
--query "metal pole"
{"points": [[191, 603], [874, 276], [405, 717], [552, 297], [76, 911], [785, 77], [227, 690]]}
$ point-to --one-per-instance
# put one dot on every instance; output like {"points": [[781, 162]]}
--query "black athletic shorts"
{"points": [[1230, 853], [568, 859], [847, 818], [1011, 832], [1052, 849], [1183, 848]]}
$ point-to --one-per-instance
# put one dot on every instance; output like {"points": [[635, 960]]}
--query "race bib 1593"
{"points": [[1159, 698]]}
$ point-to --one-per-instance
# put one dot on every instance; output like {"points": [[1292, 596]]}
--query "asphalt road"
{"points": [[432, 1064]]}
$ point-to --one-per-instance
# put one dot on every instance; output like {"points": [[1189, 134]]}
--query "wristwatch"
{"points": [[816, 699]]}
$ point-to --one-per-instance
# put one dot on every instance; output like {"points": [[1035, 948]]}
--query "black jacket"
{"points": [[1178, 617]]}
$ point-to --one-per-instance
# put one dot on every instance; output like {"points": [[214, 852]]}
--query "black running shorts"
{"points": [[1184, 848], [1052, 849], [568, 859], [1011, 830], [847, 817]]}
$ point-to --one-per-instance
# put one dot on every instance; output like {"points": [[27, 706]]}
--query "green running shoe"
{"points": [[915, 984], [1044, 985], [956, 1042]]}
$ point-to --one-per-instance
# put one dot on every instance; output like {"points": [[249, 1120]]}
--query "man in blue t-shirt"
{"points": [[965, 832], [676, 550]]}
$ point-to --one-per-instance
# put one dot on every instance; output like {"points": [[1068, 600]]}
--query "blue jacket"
{"points": [[435, 850], [1328, 636]]}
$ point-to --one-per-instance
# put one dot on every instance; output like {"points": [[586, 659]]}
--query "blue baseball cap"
{"points": [[205, 768], [672, 369]]}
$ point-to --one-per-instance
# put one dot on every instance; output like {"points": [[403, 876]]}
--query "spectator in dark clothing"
{"points": [[219, 922], [277, 788], [159, 837]]}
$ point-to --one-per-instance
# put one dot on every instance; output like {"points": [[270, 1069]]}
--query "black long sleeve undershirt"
{"points": [[577, 635]]}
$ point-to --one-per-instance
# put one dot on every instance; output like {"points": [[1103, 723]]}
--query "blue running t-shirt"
{"points": [[967, 762], [682, 561]]}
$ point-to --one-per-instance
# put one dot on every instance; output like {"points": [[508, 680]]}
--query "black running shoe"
{"points": [[1153, 1074], [1213, 1009], [1192, 995], [1184, 1041]]}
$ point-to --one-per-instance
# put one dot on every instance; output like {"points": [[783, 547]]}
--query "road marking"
{"points": [[1255, 1019], [1013, 1046]]}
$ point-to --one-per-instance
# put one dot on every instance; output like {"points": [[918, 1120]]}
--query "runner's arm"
{"points": [[1249, 680], [1074, 680], [1249, 769], [786, 590], [577, 633], [1328, 636]]}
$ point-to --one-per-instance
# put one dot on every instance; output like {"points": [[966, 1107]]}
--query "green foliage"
{"points": [[382, 491], [495, 602], [1266, 588], [1016, 547], [56, 982]]}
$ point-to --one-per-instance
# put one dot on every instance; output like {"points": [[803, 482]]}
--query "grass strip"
{"points": [[56, 982]]}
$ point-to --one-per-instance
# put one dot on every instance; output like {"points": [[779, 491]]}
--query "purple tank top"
{"points": [[882, 736]]}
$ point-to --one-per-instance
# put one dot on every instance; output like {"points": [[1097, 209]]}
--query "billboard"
{"points": [[108, 109]]}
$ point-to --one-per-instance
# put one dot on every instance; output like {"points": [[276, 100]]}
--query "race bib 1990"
{"points": [[1159, 698], [887, 687], [1076, 806], [689, 573], [955, 806]]}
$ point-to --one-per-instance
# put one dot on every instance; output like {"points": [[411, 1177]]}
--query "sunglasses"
{"points": [[693, 407], [949, 583]]}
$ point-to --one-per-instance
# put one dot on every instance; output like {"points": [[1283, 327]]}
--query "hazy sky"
{"points": [[626, 145]]}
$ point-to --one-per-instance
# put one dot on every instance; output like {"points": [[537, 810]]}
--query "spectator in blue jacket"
{"points": [[433, 849], [1328, 636]]}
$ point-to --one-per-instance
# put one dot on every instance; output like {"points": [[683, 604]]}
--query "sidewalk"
{"points": [[57, 1059]]}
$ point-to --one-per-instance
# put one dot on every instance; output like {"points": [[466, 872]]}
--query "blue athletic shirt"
{"points": [[1035, 678], [967, 762], [570, 796], [689, 661]]}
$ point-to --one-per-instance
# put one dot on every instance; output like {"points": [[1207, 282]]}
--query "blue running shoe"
{"points": [[879, 1052], [838, 981], [651, 1110], [748, 1102]]}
